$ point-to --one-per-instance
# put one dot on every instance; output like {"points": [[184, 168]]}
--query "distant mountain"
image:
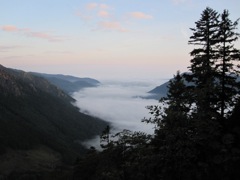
{"points": [[159, 91], [69, 84], [40, 129], [162, 90]]}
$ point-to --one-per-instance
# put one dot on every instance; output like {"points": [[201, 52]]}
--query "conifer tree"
{"points": [[175, 106], [202, 64], [178, 105], [228, 58], [172, 142]]}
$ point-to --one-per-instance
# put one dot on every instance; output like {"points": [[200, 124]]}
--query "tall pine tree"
{"points": [[202, 64], [228, 58]]}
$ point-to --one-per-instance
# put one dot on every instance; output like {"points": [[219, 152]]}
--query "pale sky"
{"points": [[102, 38]]}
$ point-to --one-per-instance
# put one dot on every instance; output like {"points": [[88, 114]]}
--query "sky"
{"points": [[102, 39]]}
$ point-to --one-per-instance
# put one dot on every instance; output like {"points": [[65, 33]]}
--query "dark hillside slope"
{"points": [[35, 113]]}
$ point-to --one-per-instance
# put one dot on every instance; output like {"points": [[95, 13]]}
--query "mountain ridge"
{"points": [[68, 83], [162, 90]]}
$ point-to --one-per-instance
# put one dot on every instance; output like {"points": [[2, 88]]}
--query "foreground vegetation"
{"points": [[197, 127]]}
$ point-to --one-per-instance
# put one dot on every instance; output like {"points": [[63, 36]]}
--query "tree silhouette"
{"points": [[226, 66], [202, 65]]}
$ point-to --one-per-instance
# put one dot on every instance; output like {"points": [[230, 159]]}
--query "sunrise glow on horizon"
{"points": [[102, 38]]}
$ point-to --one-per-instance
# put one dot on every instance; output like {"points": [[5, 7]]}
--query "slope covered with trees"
{"points": [[196, 125], [38, 120]]}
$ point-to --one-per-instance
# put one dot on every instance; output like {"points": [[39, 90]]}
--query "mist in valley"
{"points": [[119, 103]]}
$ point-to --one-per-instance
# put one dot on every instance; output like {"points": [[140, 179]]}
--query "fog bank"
{"points": [[118, 103]]}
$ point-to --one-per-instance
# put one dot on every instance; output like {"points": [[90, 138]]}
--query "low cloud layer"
{"points": [[119, 104]]}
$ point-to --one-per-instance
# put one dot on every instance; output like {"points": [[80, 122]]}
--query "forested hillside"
{"points": [[197, 125], [40, 129]]}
